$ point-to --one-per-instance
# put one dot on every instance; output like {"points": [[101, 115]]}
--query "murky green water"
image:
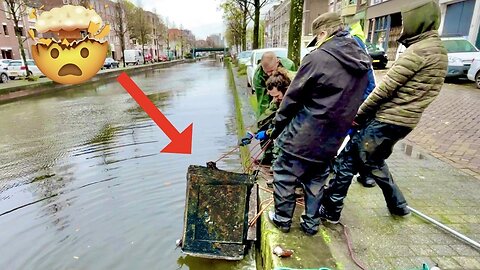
{"points": [[84, 172]]}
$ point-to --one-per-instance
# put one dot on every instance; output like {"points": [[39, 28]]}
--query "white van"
{"points": [[133, 57]]}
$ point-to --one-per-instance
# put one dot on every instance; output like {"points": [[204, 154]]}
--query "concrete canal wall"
{"points": [[310, 252]]}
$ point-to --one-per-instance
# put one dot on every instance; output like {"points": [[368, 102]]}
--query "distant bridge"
{"points": [[196, 50]]}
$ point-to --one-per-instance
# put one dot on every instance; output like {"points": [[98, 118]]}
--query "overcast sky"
{"points": [[201, 16]]}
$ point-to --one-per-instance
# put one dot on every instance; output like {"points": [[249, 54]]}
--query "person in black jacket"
{"points": [[314, 117]]}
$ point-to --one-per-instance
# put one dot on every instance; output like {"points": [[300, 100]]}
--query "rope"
{"points": [[346, 232], [256, 157], [254, 220], [228, 153]]}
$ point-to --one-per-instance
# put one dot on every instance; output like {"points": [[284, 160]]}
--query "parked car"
{"points": [[148, 58], [133, 57], [3, 76], [400, 50], [378, 55], [110, 63], [244, 57], [162, 58], [460, 56], [474, 72], [17, 68], [4, 63]]}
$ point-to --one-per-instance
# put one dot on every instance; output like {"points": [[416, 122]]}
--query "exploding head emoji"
{"points": [[74, 51]]}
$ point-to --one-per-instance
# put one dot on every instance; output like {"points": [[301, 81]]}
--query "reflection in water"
{"points": [[82, 180]]}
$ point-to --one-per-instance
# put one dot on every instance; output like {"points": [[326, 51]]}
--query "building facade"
{"points": [[311, 10], [461, 18], [277, 24], [277, 21], [9, 47], [106, 9], [335, 5], [384, 24]]}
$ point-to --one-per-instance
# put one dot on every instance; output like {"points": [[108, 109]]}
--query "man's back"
{"points": [[322, 100]]}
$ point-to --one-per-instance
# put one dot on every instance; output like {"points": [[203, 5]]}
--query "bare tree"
{"points": [[119, 24], [236, 16], [16, 10], [139, 27], [159, 32]]}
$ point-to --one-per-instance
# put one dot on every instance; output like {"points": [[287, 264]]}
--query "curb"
{"points": [[309, 251]]}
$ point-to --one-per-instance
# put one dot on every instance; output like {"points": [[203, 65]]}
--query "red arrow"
{"points": [[181, 142]]}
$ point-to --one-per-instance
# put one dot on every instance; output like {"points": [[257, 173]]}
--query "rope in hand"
{"points": [[256, 157]]}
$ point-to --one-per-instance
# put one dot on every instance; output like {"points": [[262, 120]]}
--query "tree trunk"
{"points": [[295, 31], [20, 44], [143, 53], [122, 47], [244, 25], [256, 25]]}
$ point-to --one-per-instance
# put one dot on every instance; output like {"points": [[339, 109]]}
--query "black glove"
{"points": [[359, 121], [247, 139]]}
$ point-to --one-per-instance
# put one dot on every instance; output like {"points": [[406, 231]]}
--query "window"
{"points": [[5, 29], [459, 46]]}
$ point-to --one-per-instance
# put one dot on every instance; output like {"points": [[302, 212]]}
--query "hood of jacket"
{"points": [[418, 18], [346, 50]]}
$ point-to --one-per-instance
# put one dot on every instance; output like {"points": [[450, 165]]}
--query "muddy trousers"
{"points": [[366, 153], [288, 172]]}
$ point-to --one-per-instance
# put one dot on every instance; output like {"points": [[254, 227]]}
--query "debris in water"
{"points": [[281, 252], [76, 257]]}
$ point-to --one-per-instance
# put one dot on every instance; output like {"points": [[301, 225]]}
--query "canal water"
{"points": [[83, 184]]}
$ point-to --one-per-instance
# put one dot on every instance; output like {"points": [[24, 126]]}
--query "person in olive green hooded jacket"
{"points": [[392, 110]]}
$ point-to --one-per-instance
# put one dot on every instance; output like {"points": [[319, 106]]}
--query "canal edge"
{"points": [[309, 251], [14, 93]]}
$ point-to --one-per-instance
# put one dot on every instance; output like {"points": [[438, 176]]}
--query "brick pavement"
{"points": [[450, 127], [430, 186]]}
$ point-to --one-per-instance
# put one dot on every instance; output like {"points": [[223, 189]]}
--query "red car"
{"points": [[162, 58], [148, 58]]}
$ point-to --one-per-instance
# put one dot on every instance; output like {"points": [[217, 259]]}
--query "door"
{"points": [[458, 18]]}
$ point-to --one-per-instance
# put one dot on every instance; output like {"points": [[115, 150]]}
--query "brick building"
{"points": [[9, 48]]}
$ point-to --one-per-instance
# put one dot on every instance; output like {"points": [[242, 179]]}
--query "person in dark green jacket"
{"points": [[392, 110], [269, 63], [276, 85]]}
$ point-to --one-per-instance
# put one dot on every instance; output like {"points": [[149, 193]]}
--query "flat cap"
{"points": [[324, 21]]}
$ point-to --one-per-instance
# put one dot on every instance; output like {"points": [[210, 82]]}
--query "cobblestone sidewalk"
{"points": [[430, 186], [450, 127]]}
